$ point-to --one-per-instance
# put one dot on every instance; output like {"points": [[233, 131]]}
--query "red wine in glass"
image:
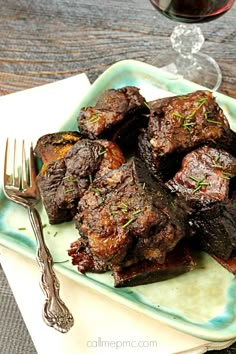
{"points": [[187, 38], [193, 11]]}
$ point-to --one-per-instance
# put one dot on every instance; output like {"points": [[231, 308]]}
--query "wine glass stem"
{"points": [[190, 63], [186, 41]]}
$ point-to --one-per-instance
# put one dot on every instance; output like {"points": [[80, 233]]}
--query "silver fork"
{"points": [[20, 187]]}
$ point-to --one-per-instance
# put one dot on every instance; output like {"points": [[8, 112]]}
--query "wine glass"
{"points": [[187, 38]]}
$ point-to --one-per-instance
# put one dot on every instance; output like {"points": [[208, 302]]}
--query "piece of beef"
{"points": [[49, 180], [169, 163], [127, 216], [180, 124], [204, 176], [113, 157], [205, 182], [53, 146], [177, 262], [215, 228], [116, 112], [81, 164], [82, 257]]}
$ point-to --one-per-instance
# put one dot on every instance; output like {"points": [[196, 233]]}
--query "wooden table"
{"points": [[46, 40], [43, 41]]}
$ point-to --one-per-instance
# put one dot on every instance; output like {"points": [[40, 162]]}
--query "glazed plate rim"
{"points": [[132, 72]]}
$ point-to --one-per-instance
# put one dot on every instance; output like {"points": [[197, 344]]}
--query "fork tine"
{"points": [[15, 174], [5, 175], [12, 177], [24, 174], [32, 167]]}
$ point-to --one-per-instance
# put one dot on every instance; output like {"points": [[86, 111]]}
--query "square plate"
{"points": [[200, 303]]}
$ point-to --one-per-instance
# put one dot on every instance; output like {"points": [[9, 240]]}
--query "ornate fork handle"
{"points": [[55, 312]]}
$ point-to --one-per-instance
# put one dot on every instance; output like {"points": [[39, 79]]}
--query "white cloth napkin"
{"points": [[101, 325]]}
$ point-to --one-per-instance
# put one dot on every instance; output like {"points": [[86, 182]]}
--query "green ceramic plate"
{"points": [[202, 302]]}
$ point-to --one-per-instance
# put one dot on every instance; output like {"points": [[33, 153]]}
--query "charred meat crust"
{"points": [[133, 216], [180, 124], [51, 147], [177, 262], [204, 181], [215, 229], [204, 176], [63, 182], [125, 216], [115, 112], [82, 257]]}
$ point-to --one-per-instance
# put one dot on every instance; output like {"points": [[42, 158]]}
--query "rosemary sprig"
{"points": [[176, 114], [187, 124], [226, 175], [95, 118], [217, 166], [136, 212], [102, 152], [214, 121], [114, 212], [69, 190], [96, 190], [199, 183], [124, 210], [128, 222], [211, 120], [70, 179]]}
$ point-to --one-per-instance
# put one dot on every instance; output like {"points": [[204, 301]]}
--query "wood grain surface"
{"points": [[43, 41], [46, 40]]}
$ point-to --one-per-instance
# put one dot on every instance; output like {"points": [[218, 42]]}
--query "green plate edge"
{"points": [[128, 72]]}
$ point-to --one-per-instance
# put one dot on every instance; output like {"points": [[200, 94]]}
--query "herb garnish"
{"points": [[199, 183], [128, 222], [124, 208], [114, 212], [211, 120], [136, 212], [70, 179], [187, 123], [96, 190], [225, 174], [69, 190], [95, 118], [102, 152]]}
